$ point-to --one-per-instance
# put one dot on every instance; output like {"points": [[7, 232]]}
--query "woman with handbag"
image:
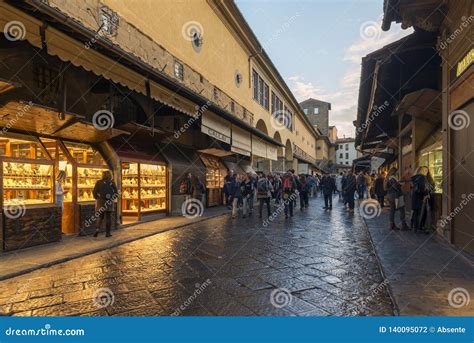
{"points": [[396, 199]]}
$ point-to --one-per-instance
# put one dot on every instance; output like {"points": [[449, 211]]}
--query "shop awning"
{"points": [[42, 120], [235, 167], [70, 50], [216, 152], [132, 151], [259, 147], [143, 132], [241, 141], [181, 160], [424, 103], [216, 127], [388, 74], [6, 86], [173, 100], [20, 25], [247, 167], [212, 162]]}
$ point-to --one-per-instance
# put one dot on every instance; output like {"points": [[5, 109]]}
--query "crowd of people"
{"points": [[285, 189], [288, 189]]}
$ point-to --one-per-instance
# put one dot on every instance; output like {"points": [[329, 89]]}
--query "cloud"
{"points": [[368, 43], [344, 98]]}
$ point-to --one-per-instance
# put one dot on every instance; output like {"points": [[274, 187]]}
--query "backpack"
{"points": [[262, 186], [287, 183]]}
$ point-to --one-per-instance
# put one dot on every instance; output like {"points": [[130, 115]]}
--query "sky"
{"points": [[317, 46]]}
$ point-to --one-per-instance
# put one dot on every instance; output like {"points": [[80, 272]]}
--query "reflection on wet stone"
{"points": [[325, 262]]}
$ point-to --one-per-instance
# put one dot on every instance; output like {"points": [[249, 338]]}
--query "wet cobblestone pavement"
{"points": [[318, 263]]}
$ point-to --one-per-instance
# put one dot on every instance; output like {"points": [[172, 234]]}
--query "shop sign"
{"points": [[216, 127], [462, 65], [465, 63]]}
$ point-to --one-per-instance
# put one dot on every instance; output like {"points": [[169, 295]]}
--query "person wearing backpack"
{"points": [[304, 192], [395, 198], [264, 193], [104, 193], [289, 187]]}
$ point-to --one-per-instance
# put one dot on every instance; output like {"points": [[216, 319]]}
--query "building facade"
{"points": [[102, 85], [346, 151], [427, 123], [317, 112]]}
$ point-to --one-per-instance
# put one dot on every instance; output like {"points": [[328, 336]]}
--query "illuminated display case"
{"points": [[215, 173], [432, 157], [144, 189], [27, 172], [83, 166], [30, 216], [89, 166]]}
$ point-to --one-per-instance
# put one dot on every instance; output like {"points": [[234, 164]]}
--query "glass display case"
{"points": [[215, 173], [130, 189], [432, 157], [144, 189], [89, 168], [27, 172], [27, 183], [152, 187]]}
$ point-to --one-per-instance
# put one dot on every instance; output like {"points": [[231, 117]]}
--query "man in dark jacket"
{"points": [[379, 190], [328, 186], [105, 193], [349, 188], [229, 180]]}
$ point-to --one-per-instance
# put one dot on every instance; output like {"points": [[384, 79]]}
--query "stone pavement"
{"points": [[317, 263], [72, 246], [426, 275]]}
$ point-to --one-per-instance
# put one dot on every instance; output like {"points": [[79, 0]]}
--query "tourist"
{"points": [[199, 190], [235, 194], [361, 185], [339, 185], [328, 187], [247, 192], [349, 185], [59, 189], [277, 189], [289, 188], [264, 193], [104, 193], [304, 192], [379, 190], [395, 198], [229, 180], [420, 195]]}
